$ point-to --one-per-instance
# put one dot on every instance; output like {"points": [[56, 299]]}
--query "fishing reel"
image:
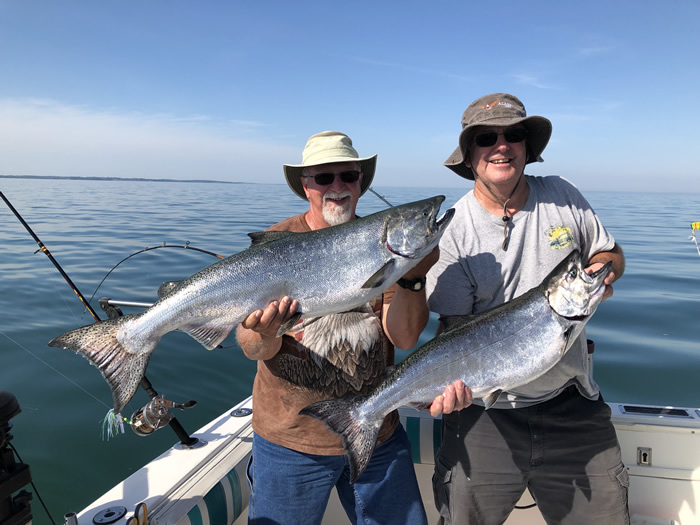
{"points": [[156, 414]]}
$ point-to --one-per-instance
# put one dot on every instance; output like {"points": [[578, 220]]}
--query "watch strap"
{"points": [[415, 285]]}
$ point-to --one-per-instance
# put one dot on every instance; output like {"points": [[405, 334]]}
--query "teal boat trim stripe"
{"points": [[235, 482], [413, 431], [195, 516], [217, 502], [437, 436]]}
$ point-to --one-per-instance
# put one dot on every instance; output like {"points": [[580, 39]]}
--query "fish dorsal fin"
{"points": [[491, 398], [450, 322], [258, 238], [167, 287], [380, 276]]}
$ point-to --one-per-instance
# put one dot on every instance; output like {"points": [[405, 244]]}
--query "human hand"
{"points": [[268, 321], [455, 397]]}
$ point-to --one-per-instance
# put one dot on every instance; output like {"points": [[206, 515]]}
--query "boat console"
{"points": [[14, 475]]}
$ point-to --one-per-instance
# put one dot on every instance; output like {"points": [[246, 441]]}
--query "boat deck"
{"points": [[207, 484]]}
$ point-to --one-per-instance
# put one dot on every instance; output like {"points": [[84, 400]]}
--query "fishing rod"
{"points": [[381, 197], [185, 438], [51, 258], [185, 246]]}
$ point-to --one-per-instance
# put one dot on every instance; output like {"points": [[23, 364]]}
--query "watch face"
{"points": [[416, 285]]}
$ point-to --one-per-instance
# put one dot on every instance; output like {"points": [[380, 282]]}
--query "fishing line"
{"points": [[36, 491], [51, 258], [112, 421], [54, 369], [46, 251]]}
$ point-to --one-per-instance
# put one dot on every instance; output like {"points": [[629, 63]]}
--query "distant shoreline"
{"points": [[119, 179]]}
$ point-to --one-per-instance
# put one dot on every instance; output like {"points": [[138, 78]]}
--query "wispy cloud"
{"points": [[45, 137], [594, 50], [249, 124], [531, 80]]}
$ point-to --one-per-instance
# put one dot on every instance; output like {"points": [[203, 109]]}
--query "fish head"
{"points": [[412, 230], [571, 292]]}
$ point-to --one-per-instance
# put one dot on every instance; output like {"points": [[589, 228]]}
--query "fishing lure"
{"points": [[113, 424], [694, 226]]}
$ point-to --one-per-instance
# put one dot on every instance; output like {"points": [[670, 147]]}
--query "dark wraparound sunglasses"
{"points": [[324, 179], [489, 138]]}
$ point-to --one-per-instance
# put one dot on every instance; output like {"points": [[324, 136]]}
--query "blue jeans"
{"points": [[288, 487]]}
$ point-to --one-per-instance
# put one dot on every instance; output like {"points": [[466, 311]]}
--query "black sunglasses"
{"points": [[489, 138], [324, 179]]}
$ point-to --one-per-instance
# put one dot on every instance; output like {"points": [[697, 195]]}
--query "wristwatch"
{"points": [[416, 285]]}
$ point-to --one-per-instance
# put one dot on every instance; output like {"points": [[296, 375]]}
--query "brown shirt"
{"points": [[333, 356]]}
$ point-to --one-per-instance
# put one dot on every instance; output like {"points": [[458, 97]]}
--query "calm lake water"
{"points": [[647, 348]]}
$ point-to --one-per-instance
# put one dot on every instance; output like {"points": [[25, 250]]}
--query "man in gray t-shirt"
{"points": [[554, 435]]}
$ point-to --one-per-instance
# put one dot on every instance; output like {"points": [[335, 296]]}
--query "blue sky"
{"points": [[230, 90]]}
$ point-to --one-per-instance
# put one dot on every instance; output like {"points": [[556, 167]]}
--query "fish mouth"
{"points": [[421, 230], [604, 270], [437, 225], [577, 318], [444, 220]]}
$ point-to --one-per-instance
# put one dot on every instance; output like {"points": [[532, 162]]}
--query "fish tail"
{"points": [[121, 363], [359, 436]]}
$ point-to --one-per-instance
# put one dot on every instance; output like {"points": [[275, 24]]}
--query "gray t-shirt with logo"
{"points": [[474, 273]]}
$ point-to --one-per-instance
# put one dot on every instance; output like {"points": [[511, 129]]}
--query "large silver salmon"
{"points": [[328, 271], [494, 351]]}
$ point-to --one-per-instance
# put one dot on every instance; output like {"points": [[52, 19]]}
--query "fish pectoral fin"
{"points": [[491, 398], [380, 276], [211, 334], [286, 327], [257, 238]]}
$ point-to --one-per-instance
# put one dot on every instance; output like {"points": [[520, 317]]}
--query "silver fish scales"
{"points": [[494, 351], [328, 271]]}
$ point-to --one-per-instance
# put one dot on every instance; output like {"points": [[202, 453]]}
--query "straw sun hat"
{"points": [[326, 148], [499, 109]]}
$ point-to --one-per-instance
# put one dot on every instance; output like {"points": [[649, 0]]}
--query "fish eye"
{"points": [[572, 274]]}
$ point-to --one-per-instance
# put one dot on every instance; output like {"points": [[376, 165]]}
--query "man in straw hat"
{"points": [[553, 436], [296, 460]]}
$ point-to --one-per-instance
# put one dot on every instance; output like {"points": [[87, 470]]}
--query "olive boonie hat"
{"points": [[326, 148], [499, 109]]}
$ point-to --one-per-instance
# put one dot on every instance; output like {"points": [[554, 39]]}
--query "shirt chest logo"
{"points": [[559, 237]]}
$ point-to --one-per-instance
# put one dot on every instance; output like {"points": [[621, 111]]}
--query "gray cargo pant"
{"points": [[565, 451]]}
